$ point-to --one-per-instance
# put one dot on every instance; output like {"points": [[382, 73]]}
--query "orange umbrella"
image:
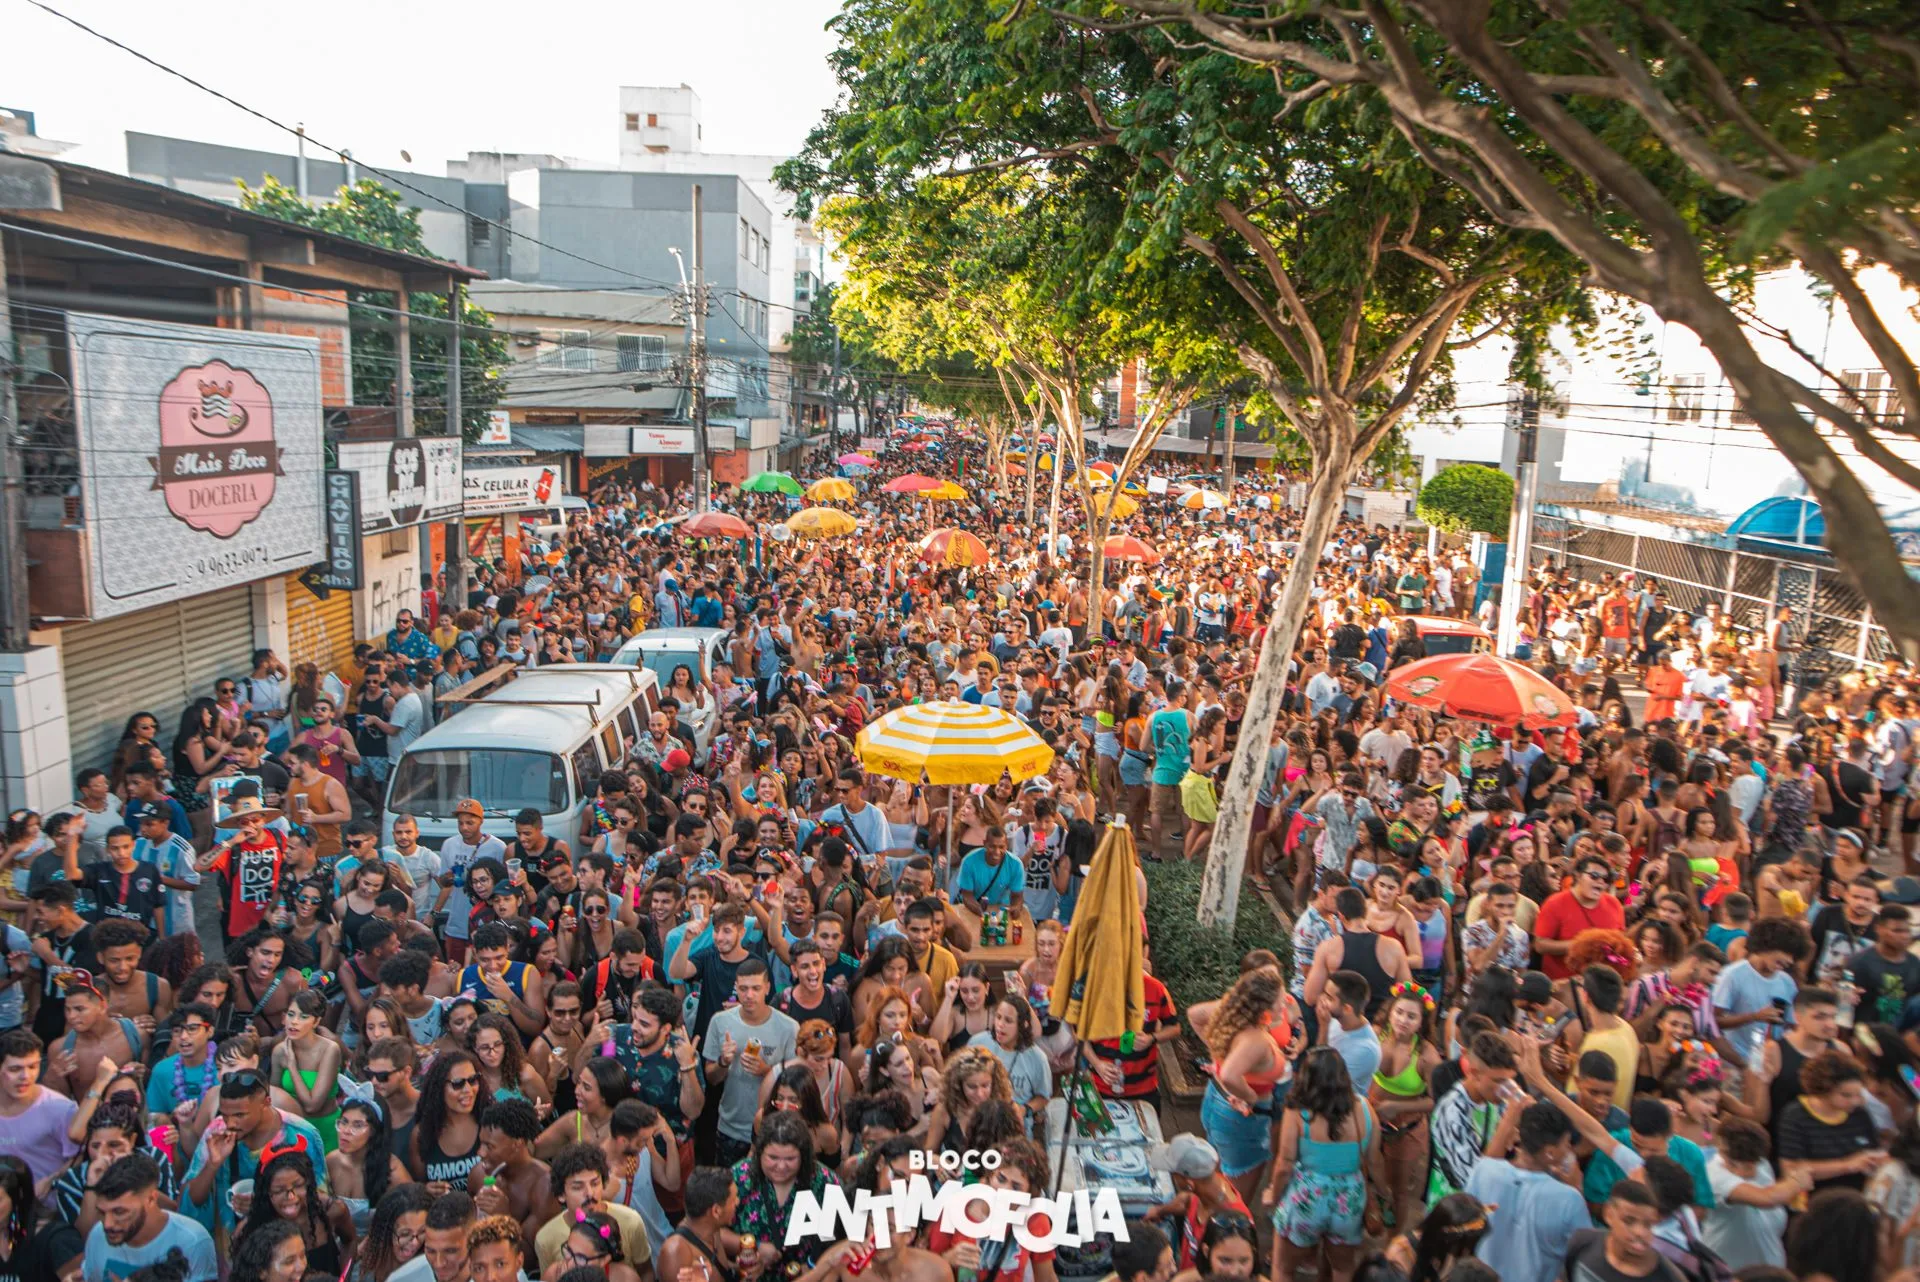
{"points": [[1482, 687], [1101, 465], [1124, 547], [912, 483], [952, 547], [716, 525], [1014, 469]]}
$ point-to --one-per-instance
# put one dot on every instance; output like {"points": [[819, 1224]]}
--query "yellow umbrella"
{"points": [[950, 742], [1204, 499], [1123, 507], [1134, 488], [821, 523], [1099, 481], [1098, 989], [949, 492], [831, 489]]}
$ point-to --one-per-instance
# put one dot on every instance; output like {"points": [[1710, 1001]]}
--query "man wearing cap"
{"points": [[459, 850], [1200, 1192]]}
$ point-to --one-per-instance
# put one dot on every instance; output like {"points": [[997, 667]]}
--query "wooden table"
{"points": [[1000, 959]]}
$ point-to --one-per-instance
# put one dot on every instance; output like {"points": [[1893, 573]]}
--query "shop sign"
{"points": [[343, 570], [499, 429], [663, 440], [403, 483], [510, 489], [200, 453]]}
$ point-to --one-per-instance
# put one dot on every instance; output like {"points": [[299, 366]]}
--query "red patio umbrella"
{"points": [[1482, 687], [716, 525], [912, 483], [1124, 547]]}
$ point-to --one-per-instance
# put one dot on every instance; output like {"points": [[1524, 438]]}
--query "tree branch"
{"points": [[1281, 331], [1315, 367]]}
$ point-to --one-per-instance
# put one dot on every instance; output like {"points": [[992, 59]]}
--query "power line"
{"points": [[301, 133]]}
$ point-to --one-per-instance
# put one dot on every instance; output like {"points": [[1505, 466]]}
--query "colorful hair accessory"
{"points": [[1708, 1070], [1617, 959], [1406, 988], [1912, 1078], [1692, 1046]]}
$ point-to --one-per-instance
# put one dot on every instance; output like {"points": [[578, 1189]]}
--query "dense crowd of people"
{"points": [[1627, 998]]}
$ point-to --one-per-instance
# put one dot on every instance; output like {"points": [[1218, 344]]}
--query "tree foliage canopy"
{"points": [[370, 212], [1465, 498]]}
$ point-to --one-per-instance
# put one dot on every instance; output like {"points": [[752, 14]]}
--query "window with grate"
{"points": [[638, 352], [633, 122], [479, 230], [1875, 393], [566, 349], [1686, 398]]}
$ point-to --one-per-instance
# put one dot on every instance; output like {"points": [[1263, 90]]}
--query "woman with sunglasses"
{"points": [[363, 1167], [303, 924], [593, 938], [446, 1128], [287, 1190], [593, 1242], [396, 1233]]}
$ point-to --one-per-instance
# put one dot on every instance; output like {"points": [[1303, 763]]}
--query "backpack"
{"points": [[1698, 1262]]}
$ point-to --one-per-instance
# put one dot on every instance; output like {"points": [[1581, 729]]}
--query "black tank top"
{"points": [[449, 1167], [1360, 953]]}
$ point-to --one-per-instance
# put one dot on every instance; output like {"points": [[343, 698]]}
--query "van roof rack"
{"points": [[495, 679]]}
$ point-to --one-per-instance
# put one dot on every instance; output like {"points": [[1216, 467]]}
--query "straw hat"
{"points": [[245, 808]]}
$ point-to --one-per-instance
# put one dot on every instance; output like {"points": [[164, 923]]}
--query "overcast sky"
{"points": [[431, 77]]}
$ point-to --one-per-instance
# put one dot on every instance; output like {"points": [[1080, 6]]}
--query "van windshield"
{"points": [[429, 784], [662, 663]]}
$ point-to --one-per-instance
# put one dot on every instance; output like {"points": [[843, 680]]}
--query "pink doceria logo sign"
{"points": [[218, 457]]}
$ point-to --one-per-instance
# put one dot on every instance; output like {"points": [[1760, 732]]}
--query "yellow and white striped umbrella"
{"points": [[1122, 506], [821, 523], [950, 742], [1204, 499]]}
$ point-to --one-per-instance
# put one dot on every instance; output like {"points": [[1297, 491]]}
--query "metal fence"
{"points": [[1836, 624]]}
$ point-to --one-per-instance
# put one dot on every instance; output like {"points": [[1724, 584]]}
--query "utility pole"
{"points": [[15, 617], [1513, 583], [454, 596], [697, 363]]}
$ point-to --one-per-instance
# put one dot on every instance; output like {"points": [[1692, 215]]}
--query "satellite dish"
{"points": [[407, 156]]}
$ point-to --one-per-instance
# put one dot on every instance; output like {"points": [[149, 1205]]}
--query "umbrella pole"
{"points": [[1068, 1128]]}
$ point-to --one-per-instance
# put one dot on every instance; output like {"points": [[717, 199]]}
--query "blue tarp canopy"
{"points": [[1796, 524]]}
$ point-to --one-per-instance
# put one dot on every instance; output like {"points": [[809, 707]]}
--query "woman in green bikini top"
{"points": [[1399, 1093], [306, 1068]]}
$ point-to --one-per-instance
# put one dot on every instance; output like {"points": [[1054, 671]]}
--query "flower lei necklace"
{"points": [[181, 1091]]}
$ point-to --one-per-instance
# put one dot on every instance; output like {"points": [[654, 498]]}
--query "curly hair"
{"points": [[253, 1249], [501, 1229], [1828, 1071], [1612, 948], [1252, 996], [970, 1062], [791, 1130], [262, 1211], [430, 1115], [513, 1056]]}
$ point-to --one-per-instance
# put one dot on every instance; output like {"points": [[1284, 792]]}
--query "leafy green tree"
{"points": [[370, 212], [1677, 150], [1467, 497], [1293, 225]]}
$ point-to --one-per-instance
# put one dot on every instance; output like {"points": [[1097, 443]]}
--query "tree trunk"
{"points": [[1097, 525], [1226, 468], [1227, 855], [1053, 503], [1033, 466]]}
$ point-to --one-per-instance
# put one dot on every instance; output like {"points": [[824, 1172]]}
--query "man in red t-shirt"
{"points": [[251, 858], [1135, 1074], [1586, 905]]}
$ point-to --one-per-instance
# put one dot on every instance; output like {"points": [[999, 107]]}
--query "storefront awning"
{"points": [[497, 453], [549, 440]]}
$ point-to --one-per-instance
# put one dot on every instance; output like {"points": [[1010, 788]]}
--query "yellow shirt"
{"points": [[633, 1236]]}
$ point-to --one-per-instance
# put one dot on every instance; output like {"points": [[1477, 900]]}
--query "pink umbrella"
{"points": [[856, 459], [912, 483]]}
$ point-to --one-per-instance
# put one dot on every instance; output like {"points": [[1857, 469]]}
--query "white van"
{"points": [[661, 650], [541, 740]]}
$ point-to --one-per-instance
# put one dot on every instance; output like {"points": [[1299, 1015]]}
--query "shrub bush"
{"points": [[1197, 963], [1467, 497]]}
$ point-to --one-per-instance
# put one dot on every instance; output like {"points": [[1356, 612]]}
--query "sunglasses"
{"points": [[247, 1078], [592, 911], [462, 1083], [382, 1075]]}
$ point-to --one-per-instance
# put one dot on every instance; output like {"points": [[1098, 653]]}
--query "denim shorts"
{"points": [[1243, 1142]]}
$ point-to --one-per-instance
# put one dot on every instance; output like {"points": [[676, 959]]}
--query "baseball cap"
{"points": [[676, 760], [1535, 986], [1187, 1156], [468, 806]]}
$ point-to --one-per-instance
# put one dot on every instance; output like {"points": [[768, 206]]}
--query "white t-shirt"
{"points": [[422, 866], [106, 1263], [409, 717], [1743, 1235]]}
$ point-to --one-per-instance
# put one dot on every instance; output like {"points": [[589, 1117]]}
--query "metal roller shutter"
{"points": [[150, 661], [318, 632]]}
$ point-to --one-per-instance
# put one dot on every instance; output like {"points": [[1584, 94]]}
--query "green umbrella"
{"points": [[772, 483]]}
